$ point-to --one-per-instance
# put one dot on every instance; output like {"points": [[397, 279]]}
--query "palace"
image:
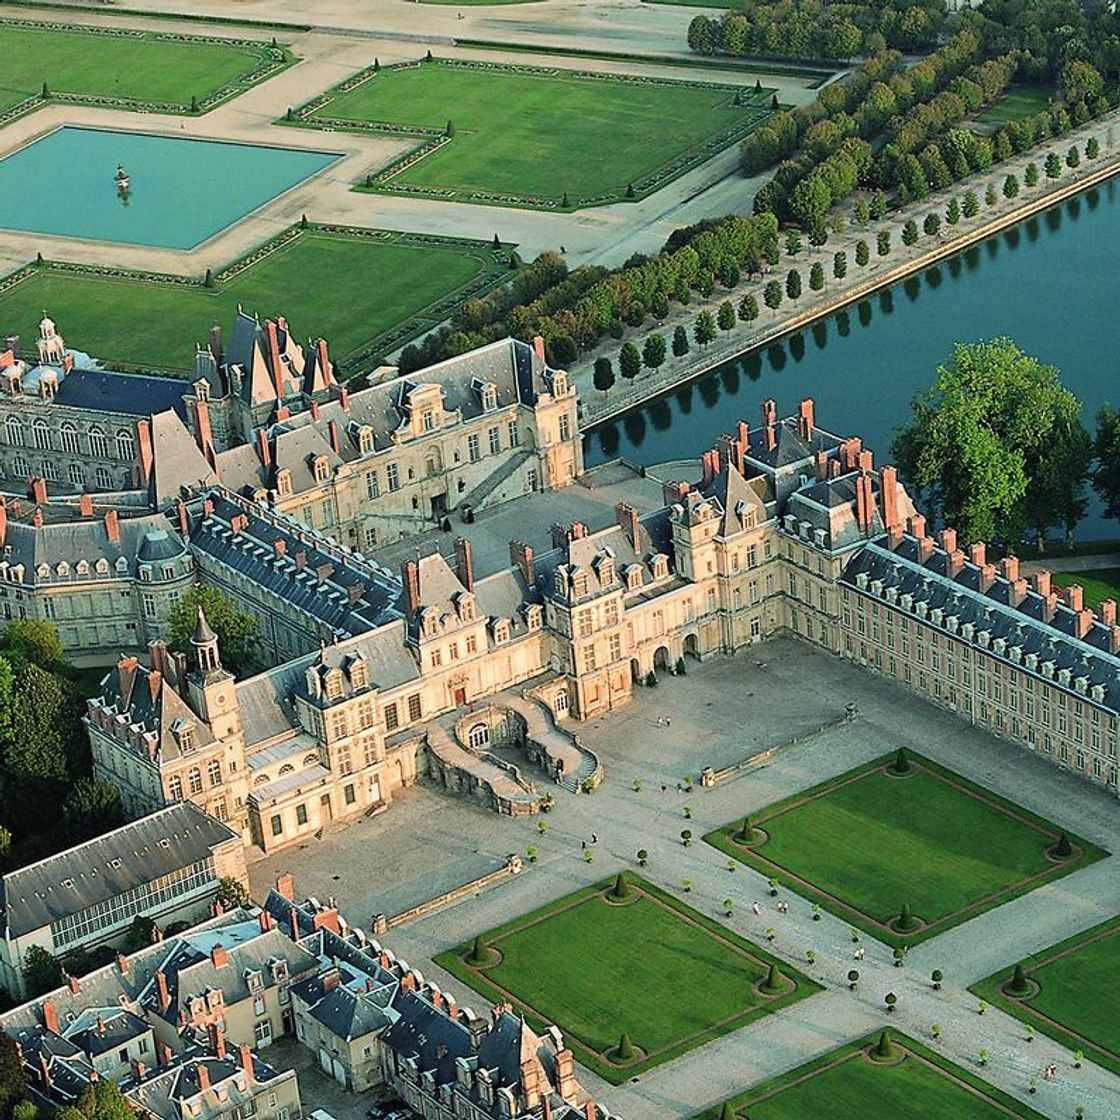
{"points": [[789, 528]]}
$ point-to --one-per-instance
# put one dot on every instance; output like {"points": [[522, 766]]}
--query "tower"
{"points": [[52, 347], [212, 693]]}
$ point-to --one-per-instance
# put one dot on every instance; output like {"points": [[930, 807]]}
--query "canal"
{"points": [[1051, 283]]}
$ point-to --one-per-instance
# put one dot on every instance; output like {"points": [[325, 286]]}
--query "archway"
{"points": [[692, 646], [635, 669], [661, 659], [478, 738]]}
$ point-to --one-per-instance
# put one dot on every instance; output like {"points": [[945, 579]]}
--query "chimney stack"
{"points": [[865, 503], [805, 419], [286, 886], [112, 526], [820, 464], [925, 549], [247, 1061], [538, 348], [336, 439], [264, 449], [218, 1040], [37, 489], [627, 517], [216, 343], [1107, 611], [865, 461], [888, 492], [1075, 597], [977, 553], [918, 526], [144, 456], [219, 956], [50, 1016], [203, 1075], [673, 492], [410, 577], [521, 554], [1009, 568], [164, 994], [85, 505], [1042, 582], [949, 540], [464, 568]]}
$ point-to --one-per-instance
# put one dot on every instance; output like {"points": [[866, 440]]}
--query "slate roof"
{"points": [[434, 1039], [1022, 627], [132, 393], [97, 1030], [100, 869]]}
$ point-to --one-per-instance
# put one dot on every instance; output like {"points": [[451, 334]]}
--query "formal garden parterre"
{"points": [[632, 976], [1065, 992], [124, 68], [903, 848], [523, 135], [879, 1077], [343, 283]]}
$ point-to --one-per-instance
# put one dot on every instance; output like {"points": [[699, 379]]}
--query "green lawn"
{"points": [[139, 66], [1074, 1002], [527, 133], [360, 293], [1099, 584], [1018, 102], [847, 1085], [653, 968], [866, 843]]}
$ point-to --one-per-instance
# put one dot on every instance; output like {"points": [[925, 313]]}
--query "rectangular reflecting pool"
{"points": [[179, 191]]}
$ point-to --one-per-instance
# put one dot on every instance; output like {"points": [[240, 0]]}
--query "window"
{"points": [[214, 773], [148, 600], [589, 664], [437, 659], [565, 428], [69, 436], [471, 644], [393, 477], [495, 441], [414, 711], [175, 787], [473, 453], [513, 432], [13, 431], [348, 794], [756, 628], [98, 444], [392, 717], [126, 445], [301, 814], [479, 736], [41, 434], [369, 535], [428, 420], [616, 647], [103, 479], [122, 1055], [277, 825], [262, 1031], [373, 485], [76, 475], [194, 780]]}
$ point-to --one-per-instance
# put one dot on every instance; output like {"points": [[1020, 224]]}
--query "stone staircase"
{"points": [[480, 496], [575, 762]]}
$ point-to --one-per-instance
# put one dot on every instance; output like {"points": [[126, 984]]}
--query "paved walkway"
{"points": [[744, 705]]}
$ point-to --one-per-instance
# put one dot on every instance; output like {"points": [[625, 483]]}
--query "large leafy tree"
{"points": [[102, 1100], [42, 972], [236, 629], [996, 445], [91, 808], [1106, 451], [13, 1081]]}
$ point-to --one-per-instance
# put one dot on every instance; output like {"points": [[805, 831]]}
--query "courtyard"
{"points": [[852, 1083], [341, 284], [509, 130], [875, 840], [648, 968]]}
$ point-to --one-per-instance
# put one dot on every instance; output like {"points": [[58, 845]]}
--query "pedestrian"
{"points": [[664, 787], [668, 721], [756, 908], [660, 721], [594, 838], [678, 787], [583, 845]]}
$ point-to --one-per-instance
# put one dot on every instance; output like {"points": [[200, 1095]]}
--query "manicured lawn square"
{"points": [[651, 968]]}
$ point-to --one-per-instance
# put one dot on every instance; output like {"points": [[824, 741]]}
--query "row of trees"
{"points": [[816, 29], [575, 310]]}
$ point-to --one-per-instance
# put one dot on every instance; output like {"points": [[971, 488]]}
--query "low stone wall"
{"points": [[513, 866]]}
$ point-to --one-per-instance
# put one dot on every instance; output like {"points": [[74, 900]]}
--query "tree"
{"points": [[932, 224], [863, 253], [1053, 166], [901, 762], [727, 1112], [232, 893], [562, 351], [141, 933], [236, 629], [970, 207], [936, 976], [680, 342], [1106, 454], [629, 361], [1063, 849], [793, 283], [481, 953], [953, 212], [745, 831], [878, 207], [906, 921], [1092, 148], [748, 309], [624, 1051], [990, 195], [890, 999], [793, 242], [840, 265], [910, 232], [1030, 175], [41, 971], [450, 131], [772, 295], [686, 836], [705, 329], [92, 807], [884, 1048], [774, 981], [621, 888], [980, 442], [883, 242], [653, 351], [725, 316], [603, 378], [13, 1080], [102, 1100], [1010, 186], [1073, 157], [643, 857], [810, 200], [816, 276], [1018, 981], [25, 1110], [861, 212], [32, 641]]}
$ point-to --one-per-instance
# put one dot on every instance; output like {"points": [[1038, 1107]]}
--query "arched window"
{"points": [[98, 444], [41, 433], [104, 478], [69, 435], [49, 470], [175, 787], [214, 773], [479, 736], [126, 445], [560, 704], [287, 768], [20, 467], [13, 431], [194, 780], [76, 475]]}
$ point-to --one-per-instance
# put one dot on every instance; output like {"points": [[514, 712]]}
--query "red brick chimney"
{"points": [[820, 464], [464, 567], [674, 492], [865, 461], [112, 526], [1084, 621], [521, 554], [627, 518], [264, 448], [37, 489], [219, 956], [925, 549], [336, 439], [954, 562], [50, 1015], [1107, 612], [85, 505], [918, 526], [977, 553], [164, 994], [987, 576], [538, 348], [1018, 591], [247, 1061], [144, 458], [805, 419], [203, 1076], [273, 339], [218, 1040], [1009, 568], [286, 886], [1075, 597], [888, 490], [949, 540], [410, 577], [865, 503], [203, 433]]}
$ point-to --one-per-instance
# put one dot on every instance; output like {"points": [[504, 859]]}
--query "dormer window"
{"points": [[633, 577], [660, 566], [533, 617], [489, 398], [501, 631], [333, 685], [365, 439], [559, 383], [321, 468], [359, 673], [466, 607], [284, 482], [427, 420], [254, 981]]}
